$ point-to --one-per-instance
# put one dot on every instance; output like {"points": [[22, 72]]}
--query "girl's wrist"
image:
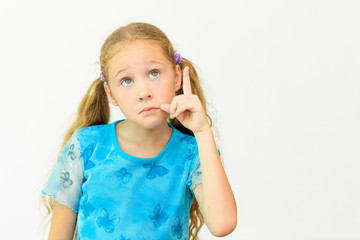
{"points": [[205, 131]]}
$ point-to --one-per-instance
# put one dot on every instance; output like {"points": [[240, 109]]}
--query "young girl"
{"points": [[146, 176]]}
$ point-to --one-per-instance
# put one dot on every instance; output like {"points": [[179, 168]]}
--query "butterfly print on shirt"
{"points": [[90, 165], [71, 152], [122, 237], [123, 175], [176, 229], [65, 179], [86, 207], [107, 222], [159, 216], [156, 170]]}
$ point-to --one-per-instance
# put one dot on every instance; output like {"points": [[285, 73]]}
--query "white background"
{"points": [[283, 77]]}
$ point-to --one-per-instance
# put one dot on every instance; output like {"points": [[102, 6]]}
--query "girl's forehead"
{"points": [[138, 49], [139, 45], [136, 53]]}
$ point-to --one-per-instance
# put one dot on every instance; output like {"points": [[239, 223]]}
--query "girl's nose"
{"points": [[145, 96], [144, 92]]}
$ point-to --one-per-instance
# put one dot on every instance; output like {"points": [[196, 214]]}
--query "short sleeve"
{"points": [[66, 179], [195, 173]]}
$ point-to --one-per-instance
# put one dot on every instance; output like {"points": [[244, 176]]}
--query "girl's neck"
{"points": [[143, 136]]}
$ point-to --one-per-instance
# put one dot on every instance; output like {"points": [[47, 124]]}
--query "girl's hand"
{"points": [[187, 108]]}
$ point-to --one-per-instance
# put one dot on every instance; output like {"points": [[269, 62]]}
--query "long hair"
{"points": [[94, 108]]}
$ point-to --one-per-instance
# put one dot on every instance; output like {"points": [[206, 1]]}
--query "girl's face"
{"points": [[140, 79]]}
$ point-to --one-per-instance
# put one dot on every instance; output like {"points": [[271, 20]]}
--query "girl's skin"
{"points": [[147, 79], [140, 76]]}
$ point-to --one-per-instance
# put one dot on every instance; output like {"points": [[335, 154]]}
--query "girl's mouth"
{"points": [[149, 110]]}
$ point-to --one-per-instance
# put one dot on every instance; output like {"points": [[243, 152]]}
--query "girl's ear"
{"points": [[108, 93], [177, 78]]}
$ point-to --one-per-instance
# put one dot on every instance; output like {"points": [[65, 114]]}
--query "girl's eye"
{"points": [[154, 74], [126, 82]]}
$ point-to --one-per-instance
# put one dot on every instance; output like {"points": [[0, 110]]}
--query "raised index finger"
{"points": [[186, 82]]}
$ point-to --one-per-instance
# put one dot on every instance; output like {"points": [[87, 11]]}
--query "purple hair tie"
{"points": [[177, 58], [102, 77]]}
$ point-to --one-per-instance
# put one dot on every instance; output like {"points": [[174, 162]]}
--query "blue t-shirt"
{"points": [[122, 197]]}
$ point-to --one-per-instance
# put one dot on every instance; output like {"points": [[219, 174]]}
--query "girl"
{"points": [[146, 176]]}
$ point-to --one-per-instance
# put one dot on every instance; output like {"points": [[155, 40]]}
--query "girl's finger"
{"points": [[186, 82], [173, 106], [182, 108], [179, 111], [165, 107]]}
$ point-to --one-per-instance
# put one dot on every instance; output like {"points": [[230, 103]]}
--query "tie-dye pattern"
{"points": [[119, 196]]}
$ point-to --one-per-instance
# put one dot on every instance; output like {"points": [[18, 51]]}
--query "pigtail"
{"points": [[196, 220], [93, 109]]}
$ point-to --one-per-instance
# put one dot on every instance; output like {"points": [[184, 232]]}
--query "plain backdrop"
{"points": [[282, 76]]}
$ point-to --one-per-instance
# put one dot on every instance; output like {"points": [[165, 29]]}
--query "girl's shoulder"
{"points": [[95, 129], [93, 133]]}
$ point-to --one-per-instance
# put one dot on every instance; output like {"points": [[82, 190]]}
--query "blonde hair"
{"points": [[94, 108]]}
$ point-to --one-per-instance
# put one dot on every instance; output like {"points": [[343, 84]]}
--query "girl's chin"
{"points": [[154, 123], [150, 121]]}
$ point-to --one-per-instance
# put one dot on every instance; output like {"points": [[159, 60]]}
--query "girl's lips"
{"points": [[148, 110]]}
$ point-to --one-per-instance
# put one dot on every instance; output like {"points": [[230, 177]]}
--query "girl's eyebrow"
{"points": [[121, 70], [153, 61], [148, 62]]}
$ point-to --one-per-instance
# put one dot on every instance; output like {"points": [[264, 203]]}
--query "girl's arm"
{"points": [[214, 194], [62, 223]]}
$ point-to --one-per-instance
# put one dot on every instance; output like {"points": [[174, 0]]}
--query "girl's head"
{"points": [[140, 76]]}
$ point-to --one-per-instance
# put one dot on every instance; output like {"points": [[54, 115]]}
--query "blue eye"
{"points": [[154, 74], [126, 82]]}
